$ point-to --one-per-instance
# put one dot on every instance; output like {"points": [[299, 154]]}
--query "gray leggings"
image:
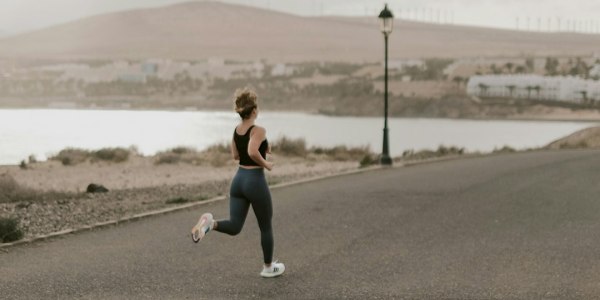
{"points": [[249, 187]]}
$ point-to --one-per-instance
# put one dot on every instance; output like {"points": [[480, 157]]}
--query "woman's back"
{"points": [[241, 144]]}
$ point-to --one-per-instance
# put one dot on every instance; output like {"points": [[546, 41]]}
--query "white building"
{"points": [[595, 71], [528, 86], [281, 69]]}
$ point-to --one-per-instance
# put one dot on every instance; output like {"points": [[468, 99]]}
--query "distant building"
{"points": [[149, 68], [63, 67], [282, 70], [560, 88], [216, 62], [595, 71]]}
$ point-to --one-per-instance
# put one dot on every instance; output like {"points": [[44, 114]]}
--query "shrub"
{"points": [[443, 150], [9, 230], [178, 200], [71, 156], [505, 149], [182, 150], [112, 154], [367, 160], [23, 165], [580, 145], [167, 158], [426, 154], [189, 155], [343, 153], [182, 200], [290, 147]]}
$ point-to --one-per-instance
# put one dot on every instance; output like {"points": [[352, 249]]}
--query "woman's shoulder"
{"points": [[256, 129]]}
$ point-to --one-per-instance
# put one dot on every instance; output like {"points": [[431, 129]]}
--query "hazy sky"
{"points": [[24, 15]]}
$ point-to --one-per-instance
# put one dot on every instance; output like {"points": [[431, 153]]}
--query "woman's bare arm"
{"points": [[257, 136], [234, 152]]}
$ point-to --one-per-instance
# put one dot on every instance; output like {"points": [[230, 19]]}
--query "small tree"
{"points": [[551, 66], [511, 89], [530, 64], [537, 89], [520, 69], [458, 80], [584, 96], [529, 89]]}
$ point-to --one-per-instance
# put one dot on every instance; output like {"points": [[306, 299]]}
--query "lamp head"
{"points": [[386, 20]]}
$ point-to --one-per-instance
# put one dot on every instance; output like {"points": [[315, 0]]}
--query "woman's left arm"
{"points": [[234, 152]]}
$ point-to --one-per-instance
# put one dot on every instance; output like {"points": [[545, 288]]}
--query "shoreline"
{"points": [[578, 123], [540, 118]]}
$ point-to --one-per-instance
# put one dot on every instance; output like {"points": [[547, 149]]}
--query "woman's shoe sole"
{"points": [[198, 234]]}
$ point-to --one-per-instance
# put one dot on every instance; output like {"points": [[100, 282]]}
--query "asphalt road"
{"points": [[518, 226]]}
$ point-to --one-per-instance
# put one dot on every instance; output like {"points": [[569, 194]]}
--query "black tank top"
{"points": [[241, 144]]}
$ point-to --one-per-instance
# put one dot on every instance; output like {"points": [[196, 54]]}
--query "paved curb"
{"points": [[164, 211]]}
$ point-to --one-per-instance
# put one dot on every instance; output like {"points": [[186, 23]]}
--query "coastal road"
{"points": [[515, 226]]}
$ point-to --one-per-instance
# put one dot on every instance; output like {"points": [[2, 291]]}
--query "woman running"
{"points": [[249, 186]]}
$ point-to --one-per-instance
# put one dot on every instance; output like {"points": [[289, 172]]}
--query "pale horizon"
{"points": [[545, 15]]}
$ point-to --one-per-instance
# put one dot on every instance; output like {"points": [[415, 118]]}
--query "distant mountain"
{"points": [[198, 30]]}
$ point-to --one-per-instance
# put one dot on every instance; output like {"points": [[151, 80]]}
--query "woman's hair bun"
{"points": [[245, 102]]}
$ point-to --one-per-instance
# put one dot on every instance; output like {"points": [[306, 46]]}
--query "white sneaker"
{"points": [[205, 224], [274, 270]]}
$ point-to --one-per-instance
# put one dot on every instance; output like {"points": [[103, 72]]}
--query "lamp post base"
{"points": [[386, 160]]}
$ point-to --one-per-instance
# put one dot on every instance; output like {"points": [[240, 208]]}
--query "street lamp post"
{"points": [[387, 23]]}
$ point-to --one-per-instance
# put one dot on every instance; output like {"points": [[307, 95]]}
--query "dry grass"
{"points": [[11, 191], [219, 155], [586, 138]]}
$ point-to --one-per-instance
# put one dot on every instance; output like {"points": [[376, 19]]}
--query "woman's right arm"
{"points": [[257, 136]]}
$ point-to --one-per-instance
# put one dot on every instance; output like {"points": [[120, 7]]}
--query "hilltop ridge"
{"points": [[199, 30]]}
